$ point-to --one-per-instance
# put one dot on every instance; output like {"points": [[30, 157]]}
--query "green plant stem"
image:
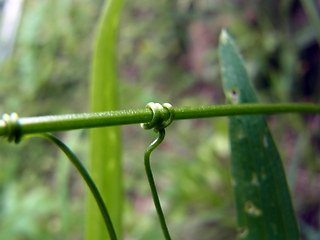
{"points": [[57, 123], [86, 177], [312, 13], [153, 188]]}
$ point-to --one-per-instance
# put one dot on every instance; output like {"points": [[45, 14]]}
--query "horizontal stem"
{"points": [[55, 123]]}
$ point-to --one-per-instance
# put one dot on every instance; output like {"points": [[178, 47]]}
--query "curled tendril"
{"points": [[159, 120], [13, 127], [158, 123]]}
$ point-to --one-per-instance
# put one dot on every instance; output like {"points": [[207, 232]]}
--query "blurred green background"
{"points": [[167, 53]]}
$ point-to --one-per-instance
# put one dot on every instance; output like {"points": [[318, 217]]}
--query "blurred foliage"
{"points": [[47, 74], [105, 163], [167, 53]]}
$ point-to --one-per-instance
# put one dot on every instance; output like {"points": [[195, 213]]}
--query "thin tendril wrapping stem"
{"points": [[86, 177], [155, 197]]}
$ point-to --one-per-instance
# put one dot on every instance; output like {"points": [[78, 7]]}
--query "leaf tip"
{"points": [[224, 36]]}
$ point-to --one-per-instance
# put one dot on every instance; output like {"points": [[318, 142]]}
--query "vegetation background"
{"points": [[167, 53]]}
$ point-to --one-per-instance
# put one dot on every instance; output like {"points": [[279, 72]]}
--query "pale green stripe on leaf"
{"points": [[263, 202], [105, 143]]}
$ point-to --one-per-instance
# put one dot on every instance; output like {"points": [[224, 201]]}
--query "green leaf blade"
{"points": [[105, 143], [263, 203]]}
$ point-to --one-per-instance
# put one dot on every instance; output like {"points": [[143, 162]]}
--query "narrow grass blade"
{"points": [[263, 202], [105, 147]]}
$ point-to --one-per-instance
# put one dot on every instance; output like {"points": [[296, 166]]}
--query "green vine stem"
{"points": [[31, 125], [153, 188], [86, 177]]}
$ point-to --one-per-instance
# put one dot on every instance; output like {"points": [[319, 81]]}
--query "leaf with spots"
{"points": [[263, 202]]}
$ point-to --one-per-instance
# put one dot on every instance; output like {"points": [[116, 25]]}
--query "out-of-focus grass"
{"points": [[105, 143]]}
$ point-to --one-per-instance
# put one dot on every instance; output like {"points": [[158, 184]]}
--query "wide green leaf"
{"points": [[263, 202], [105, 146]]}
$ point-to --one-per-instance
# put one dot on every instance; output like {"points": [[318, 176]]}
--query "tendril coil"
{"points": [[158, 122], [13, 127]]}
